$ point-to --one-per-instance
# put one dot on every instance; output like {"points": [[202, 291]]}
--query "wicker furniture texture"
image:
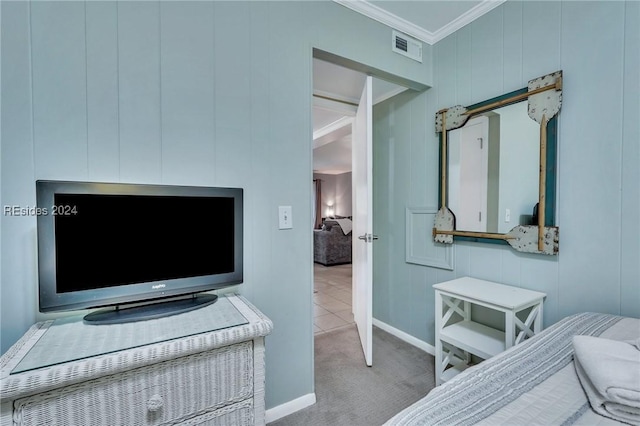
{"points": [[213, 378]]}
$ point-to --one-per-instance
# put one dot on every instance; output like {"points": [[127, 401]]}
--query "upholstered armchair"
{"points": [[330, 245]]}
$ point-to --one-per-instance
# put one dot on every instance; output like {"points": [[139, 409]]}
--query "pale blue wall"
{"points": [[202, 93], [597, 45]]}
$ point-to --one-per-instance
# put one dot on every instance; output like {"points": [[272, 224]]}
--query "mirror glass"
{"points": [[493, 170]]}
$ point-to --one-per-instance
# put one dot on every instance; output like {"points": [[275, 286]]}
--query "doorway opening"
{"points": [[337, 96], [335, 101]]}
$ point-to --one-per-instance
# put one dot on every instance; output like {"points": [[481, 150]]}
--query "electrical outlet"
{"points": [[285, 218], [507, 215]]}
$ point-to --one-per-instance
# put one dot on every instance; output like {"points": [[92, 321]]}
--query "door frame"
{"points": [[365, 69]]}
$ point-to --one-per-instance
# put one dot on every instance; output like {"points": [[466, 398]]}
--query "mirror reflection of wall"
{"points": [[493, 170]]}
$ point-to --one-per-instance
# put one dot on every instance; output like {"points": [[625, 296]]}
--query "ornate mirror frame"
{"points": [[544, 96]]}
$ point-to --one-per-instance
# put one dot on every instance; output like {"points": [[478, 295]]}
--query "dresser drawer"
{"points": [[239, 414], [164, 393]]}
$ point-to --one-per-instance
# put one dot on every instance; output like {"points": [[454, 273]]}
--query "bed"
{"points": [[534, 382]]}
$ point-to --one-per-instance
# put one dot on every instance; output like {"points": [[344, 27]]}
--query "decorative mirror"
{"points": [[497, 169]]}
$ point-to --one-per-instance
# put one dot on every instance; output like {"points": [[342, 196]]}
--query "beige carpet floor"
{"points": [[349, 393]]}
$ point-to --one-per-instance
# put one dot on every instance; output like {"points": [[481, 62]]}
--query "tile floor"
{"points": [[332, 297]]}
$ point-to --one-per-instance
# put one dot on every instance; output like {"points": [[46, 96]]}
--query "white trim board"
{"points": [[378, 14], [416, 251], [420, 344], [283, 410]]}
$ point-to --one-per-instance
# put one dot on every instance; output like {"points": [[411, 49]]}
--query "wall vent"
{"points": [[407, 46]]}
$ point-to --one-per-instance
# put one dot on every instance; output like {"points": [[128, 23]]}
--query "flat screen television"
{"points": [[114, 245]]}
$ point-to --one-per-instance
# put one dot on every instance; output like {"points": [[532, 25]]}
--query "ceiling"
{"points": [[336, 92], [337, 89]]}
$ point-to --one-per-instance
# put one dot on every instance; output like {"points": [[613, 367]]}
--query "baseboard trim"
{"points": [[283, 410], [420, 344]]}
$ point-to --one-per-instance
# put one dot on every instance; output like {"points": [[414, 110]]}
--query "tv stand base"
{"points": [[149, 311]]}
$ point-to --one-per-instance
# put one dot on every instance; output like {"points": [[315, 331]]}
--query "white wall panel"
{"points": [[540, 47], [139, 92], [590, 141], [540, 273], [258, 195], [463, 259], [463, 88], [512, 46], [187, 79], [486, 56], [420, 293], [400, 288], [232, 94], [446, 89], [58, 53], [630, 207], [419, 151], [419, 222], [400, 140], [232, 65], [18, 294], [485, 261], [511, 267], [383, 267], [103, 135]]}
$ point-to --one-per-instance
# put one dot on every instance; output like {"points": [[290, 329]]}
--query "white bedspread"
{"points": [[533, 383]]}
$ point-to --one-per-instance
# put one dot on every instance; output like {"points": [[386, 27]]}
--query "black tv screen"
{"points": [[103, 244]]}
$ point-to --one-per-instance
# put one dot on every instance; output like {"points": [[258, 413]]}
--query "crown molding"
{"points": [[466, 18], [378, 14]]}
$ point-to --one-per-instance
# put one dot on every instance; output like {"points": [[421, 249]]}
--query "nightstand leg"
{"points": [[438, 315], [509, 329], [537, 324], [467, 317]]}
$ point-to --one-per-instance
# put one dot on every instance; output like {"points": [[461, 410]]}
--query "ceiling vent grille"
{"points": [[407, 46]]}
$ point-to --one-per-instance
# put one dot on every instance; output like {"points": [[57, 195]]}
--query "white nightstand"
{"points": [[458, 336]]}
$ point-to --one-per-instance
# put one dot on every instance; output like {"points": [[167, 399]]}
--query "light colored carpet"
{"points": [[351, 394]]}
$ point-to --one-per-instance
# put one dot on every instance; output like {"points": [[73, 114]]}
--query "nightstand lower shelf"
{"points": [[474, 338], [458, 337]]}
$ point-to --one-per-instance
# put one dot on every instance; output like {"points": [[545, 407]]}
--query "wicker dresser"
{"points": [[213, 376]]}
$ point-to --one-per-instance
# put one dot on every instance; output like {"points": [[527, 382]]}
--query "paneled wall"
{"points": [[597, 45], [196, 93]]}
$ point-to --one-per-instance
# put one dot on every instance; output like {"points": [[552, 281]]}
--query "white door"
{"points": [[362, 173], [472, 215]]}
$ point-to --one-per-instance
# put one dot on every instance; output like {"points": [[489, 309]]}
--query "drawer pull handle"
{"points": [[155, 403]]}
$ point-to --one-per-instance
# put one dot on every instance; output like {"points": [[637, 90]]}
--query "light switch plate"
{"points": [[285, 218]]}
